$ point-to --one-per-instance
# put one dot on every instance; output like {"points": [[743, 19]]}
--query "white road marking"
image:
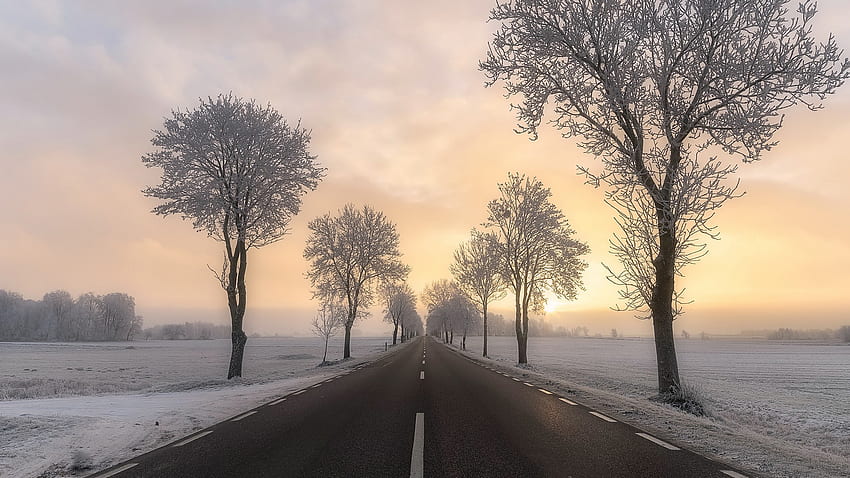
{"points": [[192, 438], [317, 385], [515, 379], [568, 402], [606, 418], [529, 384], [299, 392], [733, 474], [117, 470], [240, 417], [547, 392], [423, 362], [278, 401], [417, 462], [422, 375], [658, 442]]}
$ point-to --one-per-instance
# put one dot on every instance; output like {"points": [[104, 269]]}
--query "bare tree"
{"points": [[399, 302], [238, 170], [327, 322], [476, 271], [534, 243], [648, 86], [59, 304], [411, 325], [435, 296], [349, 253]]}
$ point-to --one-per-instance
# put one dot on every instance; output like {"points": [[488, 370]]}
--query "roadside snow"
{"points": [[183, 392], [777, 409]]}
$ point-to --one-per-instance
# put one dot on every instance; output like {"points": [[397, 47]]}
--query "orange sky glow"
{"points": [[401, 120]]}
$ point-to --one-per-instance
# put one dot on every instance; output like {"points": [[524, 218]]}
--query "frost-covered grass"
{"points": [[782, 409], [66, 407]]}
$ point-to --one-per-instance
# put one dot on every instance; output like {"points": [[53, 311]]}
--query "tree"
{"points": [[349, 253], [647, 86], [411, 325], [435, 296], [119, 314], [238, 170], [399, 302], [535, 246], [327, 322], [476, 271], [59, 304]]}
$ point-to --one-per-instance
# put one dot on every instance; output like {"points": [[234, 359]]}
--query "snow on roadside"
{"points": [[776, 409], [39, 436]]}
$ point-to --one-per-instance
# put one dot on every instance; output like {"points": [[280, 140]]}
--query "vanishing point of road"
{"points": [[423, 410]]}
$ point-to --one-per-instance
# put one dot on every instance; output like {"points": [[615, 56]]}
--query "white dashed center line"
{"points": [[515, 379], [547, 392], [658, 442], [299, 392], [529, 384], [422, 375], [733, 474], [278, 401], [599, 415], [417, 456], [568, 402], [192, 438]]}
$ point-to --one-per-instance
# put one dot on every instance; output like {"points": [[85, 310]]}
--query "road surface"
{"points": [[423, 410]]}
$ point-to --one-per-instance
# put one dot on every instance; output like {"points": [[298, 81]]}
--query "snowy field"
{"points": [[777, 408], [105, 399]]}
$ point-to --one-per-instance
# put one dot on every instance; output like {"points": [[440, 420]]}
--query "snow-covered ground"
{"points": [[778, 409], [105, 399]]}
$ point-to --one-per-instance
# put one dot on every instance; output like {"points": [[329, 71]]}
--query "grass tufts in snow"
{"points": [[688, 398], [81, 461]]}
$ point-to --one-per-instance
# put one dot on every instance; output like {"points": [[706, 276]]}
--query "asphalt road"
{"points": [[423, 410]]}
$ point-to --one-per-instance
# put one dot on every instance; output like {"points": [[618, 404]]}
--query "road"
{"points": [[423, 410]]}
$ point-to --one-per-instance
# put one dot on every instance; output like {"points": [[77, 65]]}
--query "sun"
{"points": [[551, 306]]}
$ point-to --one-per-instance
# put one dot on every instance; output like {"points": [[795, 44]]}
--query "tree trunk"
{"points": [[485, 329], [403, 336], [521, 339], [325, 357], [661, 302], [236, 295], [395, 333], [346, 349]]}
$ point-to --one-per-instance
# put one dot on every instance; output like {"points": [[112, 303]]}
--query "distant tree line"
{"points": [[60, 317], [842, 334], [498, 325], [187, 331]]}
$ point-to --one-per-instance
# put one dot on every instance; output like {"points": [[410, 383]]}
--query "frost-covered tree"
{"points": [[411, 325], [476, 271], [657, 91], [350, 254], [399, 304], [238, 171], [536, 249], [59, 304], [434, 297], [327, 322]]}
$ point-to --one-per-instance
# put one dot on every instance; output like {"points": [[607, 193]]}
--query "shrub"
{"points": [[688, 398], [80, 461]]}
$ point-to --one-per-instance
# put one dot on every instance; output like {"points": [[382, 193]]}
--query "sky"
{"points": [[401, 120]]}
